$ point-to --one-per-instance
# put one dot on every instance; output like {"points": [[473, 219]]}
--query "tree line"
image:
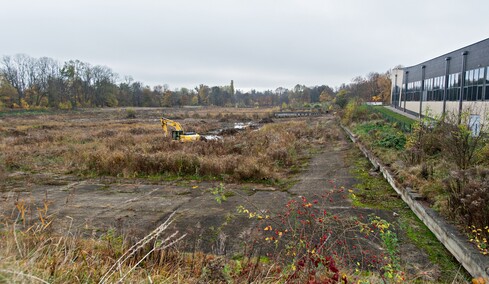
{"points": [[27, 82]]}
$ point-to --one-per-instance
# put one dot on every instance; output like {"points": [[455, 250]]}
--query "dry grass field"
{"points": [[60, 172], [104, 142], [100, 195]]}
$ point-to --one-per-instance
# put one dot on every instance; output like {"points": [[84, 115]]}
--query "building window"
{"points": [[410, 92], [487, 84], [481, 76], [473, 85], [438, 86], [454, 86], [417, 91], [428, 88]]}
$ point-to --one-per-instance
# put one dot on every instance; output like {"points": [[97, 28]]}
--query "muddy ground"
{"points": [[134, 207]]}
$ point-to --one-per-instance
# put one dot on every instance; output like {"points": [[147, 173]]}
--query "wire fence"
{"points": [[404, 124]]}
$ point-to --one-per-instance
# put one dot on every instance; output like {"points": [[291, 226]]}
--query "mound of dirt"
{"points": [[266, 120], [229, 131]]}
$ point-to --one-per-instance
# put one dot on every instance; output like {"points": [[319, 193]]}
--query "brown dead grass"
{"points": [[103, 142], [251, 155], [31, 252]]}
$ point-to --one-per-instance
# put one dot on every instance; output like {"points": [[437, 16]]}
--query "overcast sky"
{"points": [[260, 44]]}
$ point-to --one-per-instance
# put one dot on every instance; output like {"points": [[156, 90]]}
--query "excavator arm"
{"points": [[178, 133], [165, 122]]}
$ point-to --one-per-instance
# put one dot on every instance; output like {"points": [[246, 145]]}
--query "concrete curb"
{"points": [[474, 262]]}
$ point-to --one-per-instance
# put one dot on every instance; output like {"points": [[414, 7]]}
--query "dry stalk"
{"points": [[155, 246], [15, 237], [24, 275], [139, 245]]}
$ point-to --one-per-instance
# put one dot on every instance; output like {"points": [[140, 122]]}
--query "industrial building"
{"points": [[455, 82]]}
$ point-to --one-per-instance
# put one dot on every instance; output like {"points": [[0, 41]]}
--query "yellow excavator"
{"points": [[178, 134]]}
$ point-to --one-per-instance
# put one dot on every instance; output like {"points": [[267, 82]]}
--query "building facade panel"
{"points": [[457, 81]]}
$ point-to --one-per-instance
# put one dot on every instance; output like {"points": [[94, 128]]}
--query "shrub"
{"points": [[381, 134], [250, 169], [311, 245], [392, 140], [130, 113], [424, 142], [354, 112], [24, 104], [459, 146], [65, 105], [434, 190], [469, 197], [341, 100], [281, 156]]}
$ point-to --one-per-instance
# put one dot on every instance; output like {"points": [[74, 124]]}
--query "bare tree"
{"points": [[104, 87], [15, 70], [44, 71]]}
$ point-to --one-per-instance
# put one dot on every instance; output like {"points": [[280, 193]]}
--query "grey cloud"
{"points": [[258, 44]]}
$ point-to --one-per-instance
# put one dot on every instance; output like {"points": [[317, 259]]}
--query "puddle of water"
{"points": [[242, 125], [212, 137]]}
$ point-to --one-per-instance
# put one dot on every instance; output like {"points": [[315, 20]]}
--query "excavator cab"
{"points": [[176, 134]]}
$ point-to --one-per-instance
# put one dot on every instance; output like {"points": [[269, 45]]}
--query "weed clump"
{"points": [[469, 197], [309, 244], [130, 113]]}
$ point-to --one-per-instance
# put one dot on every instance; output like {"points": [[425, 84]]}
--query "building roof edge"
{"points": [[446, 54]]}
